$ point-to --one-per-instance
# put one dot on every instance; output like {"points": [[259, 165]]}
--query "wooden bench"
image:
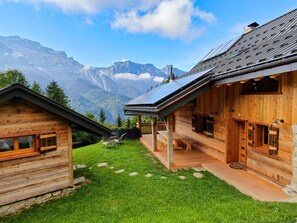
{"points": [[188, 143]]}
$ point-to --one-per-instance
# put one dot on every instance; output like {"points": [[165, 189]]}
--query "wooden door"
{"points": [[243, 142]]}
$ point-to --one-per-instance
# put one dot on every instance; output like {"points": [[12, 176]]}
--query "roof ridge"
{"points": [[267, 23]]}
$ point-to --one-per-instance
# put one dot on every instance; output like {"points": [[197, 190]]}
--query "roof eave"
{"points": [[17, 90]]}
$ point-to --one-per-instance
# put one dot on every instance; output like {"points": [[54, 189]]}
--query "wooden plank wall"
{"points": [[228, 102], [266, 109], [213, 101], [31, 176]]}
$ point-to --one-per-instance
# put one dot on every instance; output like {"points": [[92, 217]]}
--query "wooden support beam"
{"points": [[154, 133], [169, 127], [243, 81], [139, 123], [70, 156], [274, 76], [229, 84], [258, 78]]}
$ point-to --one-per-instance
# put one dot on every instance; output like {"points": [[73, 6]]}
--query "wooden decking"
{"points": [[182, 158], [246, 182]]}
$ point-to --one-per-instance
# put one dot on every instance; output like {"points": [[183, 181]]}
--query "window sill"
{"points": [[18, 156]]}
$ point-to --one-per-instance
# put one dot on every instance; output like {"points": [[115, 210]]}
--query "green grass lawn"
{"points": [[112, 197]]}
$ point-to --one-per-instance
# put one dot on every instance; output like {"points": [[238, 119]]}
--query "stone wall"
{"points": [[15, 207]]}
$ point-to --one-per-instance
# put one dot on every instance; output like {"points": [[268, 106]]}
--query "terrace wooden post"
{"points": [[154, 133], [139, 123], [169, 127]]}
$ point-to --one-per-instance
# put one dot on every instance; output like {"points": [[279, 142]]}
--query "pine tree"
{"points": [[119, 121], [10, 77], [102, 116], [128, 123], [57, 94], [90, 115], [37, 88]]}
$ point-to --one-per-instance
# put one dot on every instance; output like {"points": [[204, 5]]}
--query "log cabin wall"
{"points": [[213, 101], [265, 109], [230, 104], [31, 176]]}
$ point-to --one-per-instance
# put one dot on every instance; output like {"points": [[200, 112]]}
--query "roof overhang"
{"points": [[250, 74], [174, 102], [17, 91]]}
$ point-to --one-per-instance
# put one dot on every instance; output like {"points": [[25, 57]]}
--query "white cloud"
{"points": [[158, 79], [206, 16], [170, 18], [92, 6], [167, 18], [134, 77]]}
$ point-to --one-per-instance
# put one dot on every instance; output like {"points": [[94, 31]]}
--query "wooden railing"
{"points": [[146, 128]]}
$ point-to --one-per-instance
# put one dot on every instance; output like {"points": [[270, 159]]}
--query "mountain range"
{"points": [[88, 88]]}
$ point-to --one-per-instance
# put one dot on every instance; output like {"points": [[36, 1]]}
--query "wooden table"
{"points": [[176, 138]]}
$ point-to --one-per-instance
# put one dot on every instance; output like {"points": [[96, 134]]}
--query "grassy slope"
{"points": [[114, 197]]}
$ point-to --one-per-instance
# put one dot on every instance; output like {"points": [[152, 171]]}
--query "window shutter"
{"points": [[273, 140], [251, 134], [209, 126], [48, 142]]}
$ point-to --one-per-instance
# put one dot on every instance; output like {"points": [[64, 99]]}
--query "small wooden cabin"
{"points": [[36, 143], [238, 104]]}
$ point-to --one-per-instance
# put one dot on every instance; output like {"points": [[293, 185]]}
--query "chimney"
{"points": [[251, 27], [171, 75]]}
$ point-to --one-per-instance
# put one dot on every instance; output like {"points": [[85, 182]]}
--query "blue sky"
{"points": [[101, 32]]}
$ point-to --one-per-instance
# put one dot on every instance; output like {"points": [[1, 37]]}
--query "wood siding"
{"points": [[27, 177], [230, 105]]}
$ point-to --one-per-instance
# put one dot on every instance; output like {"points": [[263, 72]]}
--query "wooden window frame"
{"points": [[17, 152], [259, 134]]}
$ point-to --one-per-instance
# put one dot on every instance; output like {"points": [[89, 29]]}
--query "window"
{"points": [[203, 124], [264, 85], [263, 137], [17, 145]]}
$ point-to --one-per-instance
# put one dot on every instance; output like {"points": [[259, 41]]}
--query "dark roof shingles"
{"points": [[272, 41]]}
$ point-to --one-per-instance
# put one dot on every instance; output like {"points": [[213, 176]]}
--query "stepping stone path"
{"points": [[90, 168], [101, 164], [198, 169], [162, 177], [133, 174], [198, 175], [182, 177], [111, 167], [120, 171], [79, 166], [148, 175]]}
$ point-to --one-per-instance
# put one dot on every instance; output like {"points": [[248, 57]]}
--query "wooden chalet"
{"points": [[237, 105], [36, 143]]}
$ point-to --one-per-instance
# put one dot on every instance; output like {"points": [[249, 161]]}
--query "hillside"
{"points": [[89, 88]]}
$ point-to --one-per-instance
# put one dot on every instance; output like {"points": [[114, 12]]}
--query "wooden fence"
{"points": [[146, 128]]}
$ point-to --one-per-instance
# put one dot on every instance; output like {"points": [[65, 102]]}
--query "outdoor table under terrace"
{"points": [[176, 137]]}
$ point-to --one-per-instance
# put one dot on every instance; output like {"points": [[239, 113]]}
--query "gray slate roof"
{"points": [[275, 40]]}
